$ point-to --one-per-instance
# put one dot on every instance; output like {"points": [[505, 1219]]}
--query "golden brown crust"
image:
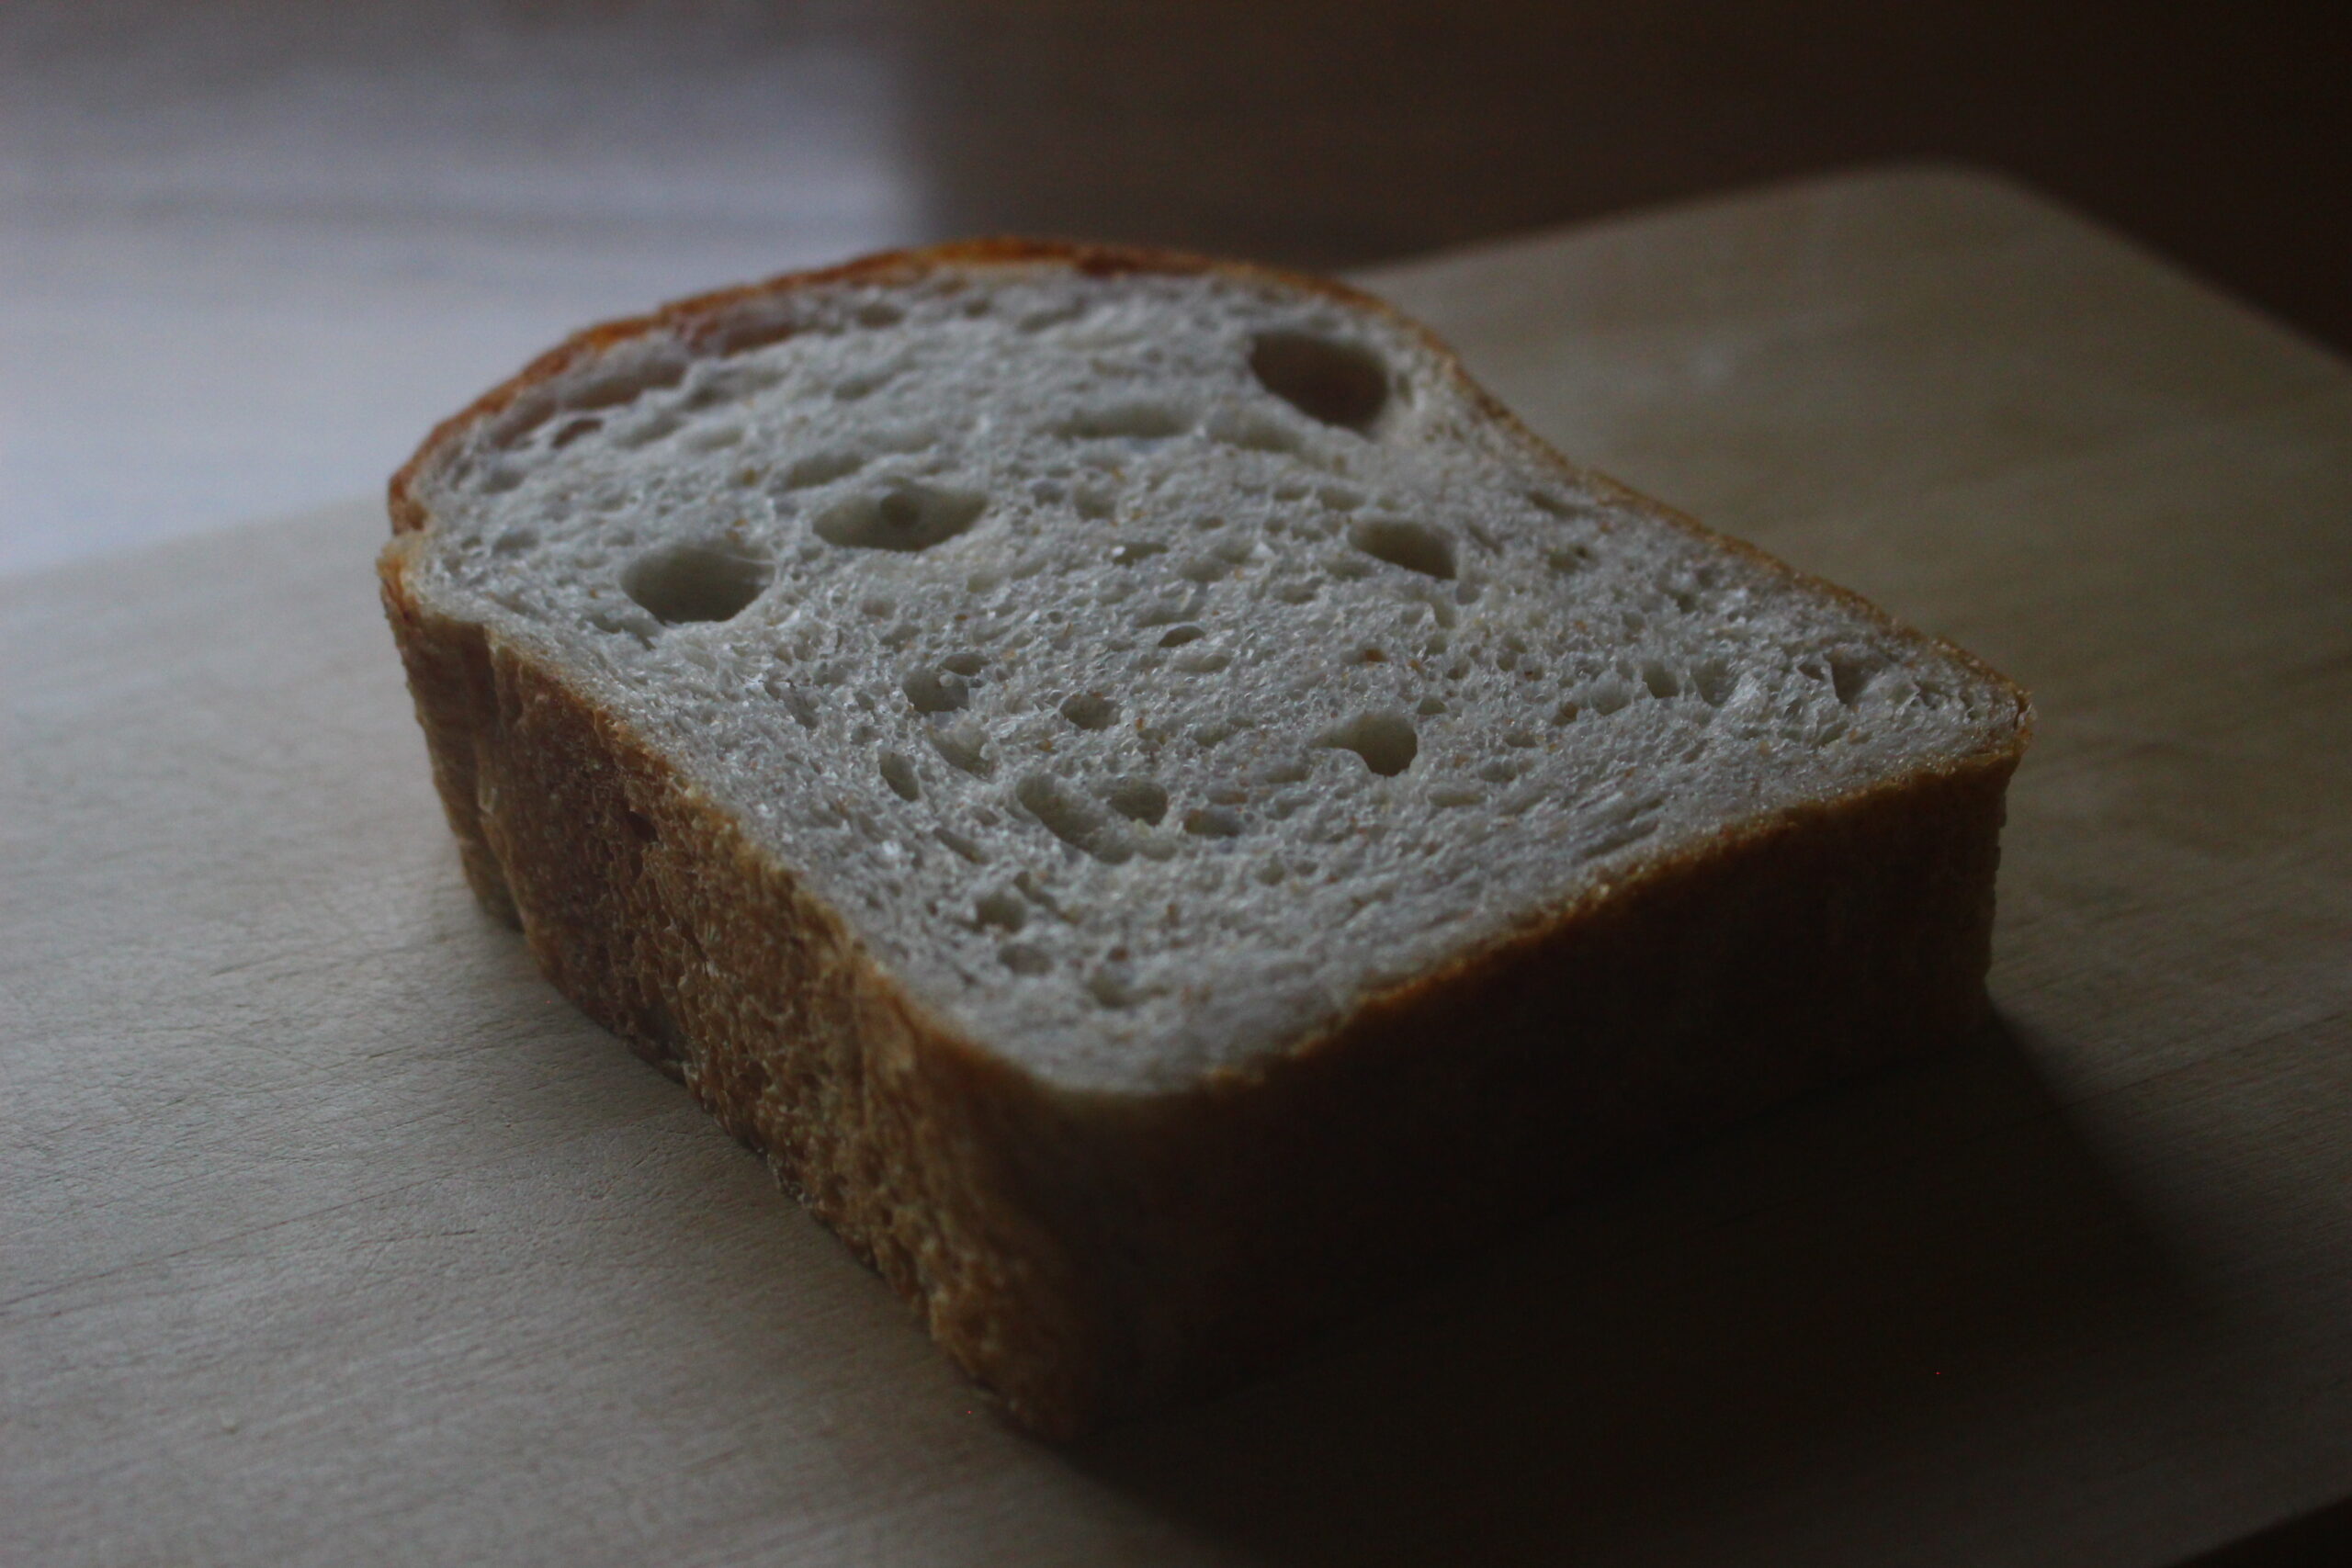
{"points": [[643, 904], [1086, 1254]]}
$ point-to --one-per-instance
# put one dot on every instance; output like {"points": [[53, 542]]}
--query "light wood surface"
{"points": [[329, 1235]]}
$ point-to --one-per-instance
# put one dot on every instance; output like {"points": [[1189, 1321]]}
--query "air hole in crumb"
{"points": [[1003, 908], [931, 691], [1140, 421], [695, 581], [1385, 741], [1140, 800], [1849, 677], [646, 432], [1252, 431], [1337, 383], [963, 745], [879, 314], [1090, 710], [1136, 550], [1179, 635], [1207, 735], [1570, 558], [963, 663], [898, 773], [1430, 706], [1661, 680], [906, 516], [1023, 959], [573, 430], [1413, 545], [820, 468], [1214, 822], [850, 388], [1072, 820], [1051, 316], [623, 385], [1115, 986]]}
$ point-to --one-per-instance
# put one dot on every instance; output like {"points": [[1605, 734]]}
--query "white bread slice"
{"points": [[1156, 803]]}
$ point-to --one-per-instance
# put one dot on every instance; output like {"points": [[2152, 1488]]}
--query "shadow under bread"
{"points": [[1693, 1339]]}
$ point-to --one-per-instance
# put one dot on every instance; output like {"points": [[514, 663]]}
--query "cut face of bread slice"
{"points": [[1020, 730]]}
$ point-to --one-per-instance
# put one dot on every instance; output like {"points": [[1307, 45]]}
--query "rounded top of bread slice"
{"points": [[1151, 660]]}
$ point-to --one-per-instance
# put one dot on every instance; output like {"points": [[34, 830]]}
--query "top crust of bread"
{"points": [[1089, 1241]]}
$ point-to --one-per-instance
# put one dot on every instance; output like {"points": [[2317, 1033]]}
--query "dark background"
{"points": [[225, 220], [1334, 135]]}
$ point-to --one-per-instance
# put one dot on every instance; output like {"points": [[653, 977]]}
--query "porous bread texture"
{"points": [[1155, 804], [1152, 666]]}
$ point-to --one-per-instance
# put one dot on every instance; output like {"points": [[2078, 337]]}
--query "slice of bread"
{"points": [[1154, 802]]}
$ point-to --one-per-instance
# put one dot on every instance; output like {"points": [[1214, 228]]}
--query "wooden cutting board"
{"points": [[329, 1235]]}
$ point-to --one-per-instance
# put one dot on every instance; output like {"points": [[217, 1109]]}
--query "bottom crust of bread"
{"points": [[1090, 1256]]}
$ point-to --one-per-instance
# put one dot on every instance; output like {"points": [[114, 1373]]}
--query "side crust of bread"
{"points": [[1087, 1255]]}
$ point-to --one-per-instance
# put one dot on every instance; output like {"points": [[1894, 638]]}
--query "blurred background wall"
{"points": [[250, 249]]}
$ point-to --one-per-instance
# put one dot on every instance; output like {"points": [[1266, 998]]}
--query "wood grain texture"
{"points": [[329, 1235]]}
